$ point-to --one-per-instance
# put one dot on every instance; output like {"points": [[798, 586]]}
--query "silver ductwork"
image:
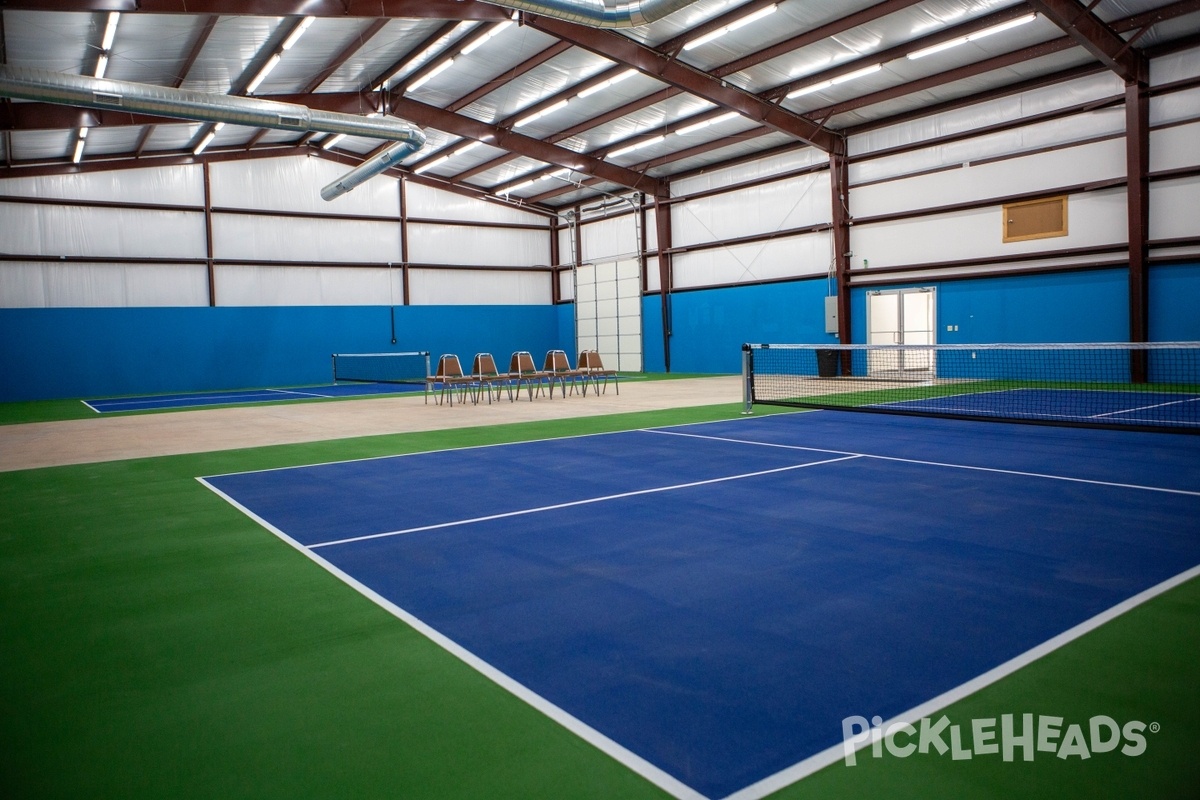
{"points": [[598, 13], [78, 90], [368, 169]]}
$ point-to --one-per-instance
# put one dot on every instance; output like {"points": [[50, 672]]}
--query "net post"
{"points": [[333, 357], [747, 380]]}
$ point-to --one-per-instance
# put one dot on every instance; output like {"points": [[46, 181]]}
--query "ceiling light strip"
{"points": [[1004, 26], [733, 26]]}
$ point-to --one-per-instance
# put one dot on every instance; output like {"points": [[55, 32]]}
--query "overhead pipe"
{"points": [[368, 169], [79, 90], [598, 13]]}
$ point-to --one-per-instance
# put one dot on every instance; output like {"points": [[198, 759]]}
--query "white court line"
{"points": [[639, 765], [622, 755], [573, 503], [832, 755], [303, 394], [941, 464], [92, 407], [165, 402], [1145, 408]]}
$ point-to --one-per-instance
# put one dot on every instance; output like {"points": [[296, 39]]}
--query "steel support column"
{"points": [[406, 297], [555, 277], [1137, 166], [839, 182], [662, 223], [208, 237]]}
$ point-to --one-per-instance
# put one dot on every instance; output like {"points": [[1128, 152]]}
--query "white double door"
{"points": [[902, 317], [608, 312]]}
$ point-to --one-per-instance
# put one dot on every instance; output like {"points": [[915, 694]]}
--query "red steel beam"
{"points": [[661, 66], [1086, 29], [443, 120], [412, 9]]}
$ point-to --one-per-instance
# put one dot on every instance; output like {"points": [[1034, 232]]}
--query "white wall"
{"points": [[302, 251]]}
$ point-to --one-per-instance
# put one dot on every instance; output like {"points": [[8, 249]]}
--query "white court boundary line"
{"points": [[584, 502], [997, 470], [832, 755], [622, 755], [302, 394], [636, 763]]}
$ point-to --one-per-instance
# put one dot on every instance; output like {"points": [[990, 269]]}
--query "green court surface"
{"points": [[157, 643]]}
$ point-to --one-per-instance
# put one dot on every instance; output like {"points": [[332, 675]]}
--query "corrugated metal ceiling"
{"points": [[520, 70]]}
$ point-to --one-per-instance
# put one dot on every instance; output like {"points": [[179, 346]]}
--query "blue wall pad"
{"points": [[1089, 306], [709, 326], [717, 605], [106, 352], [1175, 303]]}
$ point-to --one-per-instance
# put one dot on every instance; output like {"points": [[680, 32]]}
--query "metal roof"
{"points": [[555, 111]]}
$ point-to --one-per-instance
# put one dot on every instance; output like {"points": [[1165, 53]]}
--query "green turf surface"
{"points": [[156, 643]]}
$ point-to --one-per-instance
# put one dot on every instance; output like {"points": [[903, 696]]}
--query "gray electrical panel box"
{"points": [[831, 315]]}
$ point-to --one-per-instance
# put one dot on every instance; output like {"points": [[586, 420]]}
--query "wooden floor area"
{"points": [[84, 441]]}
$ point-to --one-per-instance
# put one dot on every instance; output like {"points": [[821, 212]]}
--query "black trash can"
{"points": [[827, 363]]}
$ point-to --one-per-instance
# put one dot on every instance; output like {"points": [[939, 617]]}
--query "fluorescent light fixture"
{"points": [[78, 154], [613, 81], [858, 73], [765, 11], [812, 87], [475, 45], [733, 26], [110, 30], [937, 48], [702, 125], [466, 148], [331, 141], [849, 76], [519, 186], [262, 73], [539, 114], [620, 151], [83, 133], [295, 35], [428, 165], [205, 142], [558, 173], [439, 69], [1012, 23], [706, 38], [101, 65]]}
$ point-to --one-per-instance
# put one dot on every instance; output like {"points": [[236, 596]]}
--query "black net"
{"points": [[381, 367], [1141, 386]]}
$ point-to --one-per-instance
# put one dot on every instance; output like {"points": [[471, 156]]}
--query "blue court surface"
{"points": [[161, 402], [707, 603], [1094, 407]]}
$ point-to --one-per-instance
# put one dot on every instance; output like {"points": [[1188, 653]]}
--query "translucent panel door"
{"points": [[608, 312], [902, 316]]}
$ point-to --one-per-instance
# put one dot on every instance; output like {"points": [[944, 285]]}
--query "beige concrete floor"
{"points": [[83, 441]]}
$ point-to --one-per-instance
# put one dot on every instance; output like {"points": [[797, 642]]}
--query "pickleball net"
{"points": [[381, 367], [1142, 386]]}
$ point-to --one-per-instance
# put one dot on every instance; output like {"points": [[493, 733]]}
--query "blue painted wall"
{"points": [[1063, 307], [1175, 303], [101, 352], [709, 326]]}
